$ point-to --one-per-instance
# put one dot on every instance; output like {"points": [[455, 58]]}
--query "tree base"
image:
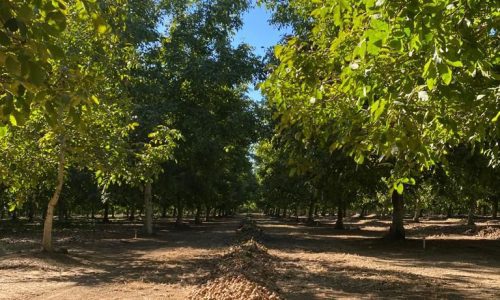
{"points": [[339, 226], [395, 235]]}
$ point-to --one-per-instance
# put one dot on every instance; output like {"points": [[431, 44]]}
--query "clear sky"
{"points": [[259, 34]]}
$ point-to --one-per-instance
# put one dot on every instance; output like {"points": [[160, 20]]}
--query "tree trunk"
{"points": [[397, 230], [164, 211], [207, 213], [197, 218], [340, 215], [449, 212], [180, 212], [470, 217], [363, 211], [148, 207], [494, 208], [47, 226], [31, 211], [131, 217], [416, 216], [310, 213], [105, 218]]}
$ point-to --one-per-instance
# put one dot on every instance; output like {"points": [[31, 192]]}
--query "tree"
{"points": [[340, 76]]}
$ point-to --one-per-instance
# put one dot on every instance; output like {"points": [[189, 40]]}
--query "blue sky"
{"points": [[259, 34]]}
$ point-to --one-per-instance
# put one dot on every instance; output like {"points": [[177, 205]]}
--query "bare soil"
{"points": [[108, 262]]}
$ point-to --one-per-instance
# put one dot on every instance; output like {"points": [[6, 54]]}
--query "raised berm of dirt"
{"points": [[246, 271], [489, 233]]}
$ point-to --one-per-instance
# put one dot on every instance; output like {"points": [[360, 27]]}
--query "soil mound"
{"points": [[246, 271], [489, 233]]}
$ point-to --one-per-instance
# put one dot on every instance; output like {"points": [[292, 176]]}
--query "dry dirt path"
{"points": [[314, 262]]}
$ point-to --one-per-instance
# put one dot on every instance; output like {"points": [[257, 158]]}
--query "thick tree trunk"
{"points": [[397, 230], [47, 226], [148, 207], [494, 208], [340, 215]]}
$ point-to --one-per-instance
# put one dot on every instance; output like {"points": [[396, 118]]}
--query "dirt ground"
{"points": [[108, 262]]}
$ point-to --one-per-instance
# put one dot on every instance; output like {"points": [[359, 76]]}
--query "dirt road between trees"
{"points": [[107, 262]]}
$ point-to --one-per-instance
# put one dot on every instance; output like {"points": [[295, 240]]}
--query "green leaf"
{"points": [[445, 73], [12, 120], [57, 20], [12, 65], [360, 159], [495, 119], [100, 25], [399, 188], [55, 51], [95, 99], [3, 131], [37, 76], [454, 63], [425, 73]]}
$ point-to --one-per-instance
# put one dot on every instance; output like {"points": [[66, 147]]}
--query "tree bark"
{"points": [[164, 211], [470, 217], [131, 217], [363, 212], [180, 212], [310, 212], [207, 213], [47, 226], [197, 218], [105, 218], [340, 215], [148, 207], [397, 230], [416, 216]]}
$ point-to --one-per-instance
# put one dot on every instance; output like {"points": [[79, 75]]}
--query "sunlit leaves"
{"points": [[30, 43], [402, 79]]}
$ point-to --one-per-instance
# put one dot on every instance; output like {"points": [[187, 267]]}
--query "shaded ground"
{"points": [[106, 262]]}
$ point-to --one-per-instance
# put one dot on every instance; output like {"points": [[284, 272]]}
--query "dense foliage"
{"points": [[136, 106]]}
